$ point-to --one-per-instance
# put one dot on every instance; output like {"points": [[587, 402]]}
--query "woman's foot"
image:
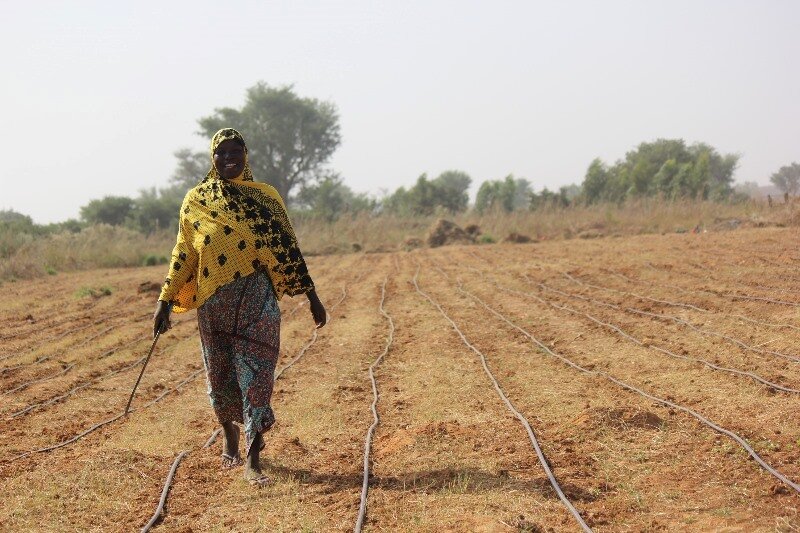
{"points": [[252, 467], [230, 446]]}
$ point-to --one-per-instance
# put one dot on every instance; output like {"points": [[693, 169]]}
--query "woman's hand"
{"points": [[317, 309], [161, 321]]}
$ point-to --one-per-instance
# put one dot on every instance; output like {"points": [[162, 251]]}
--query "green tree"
{"points": [[191, 168], [448, 191], [522, 193], [289, 138], [153, 210], [548, 198], [507, 194], [113, 210], [666, 167], [451, 190], [330, 198], [9, 216], [787, 178], [596, 182], [421, 198]]}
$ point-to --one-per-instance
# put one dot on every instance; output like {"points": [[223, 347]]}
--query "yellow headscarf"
{"points": [[228, 229]]}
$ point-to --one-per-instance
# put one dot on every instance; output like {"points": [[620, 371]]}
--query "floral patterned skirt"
{"points": [[240, 337]]}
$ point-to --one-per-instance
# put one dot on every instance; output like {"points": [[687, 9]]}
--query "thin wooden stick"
{"points": [[133, 392]]}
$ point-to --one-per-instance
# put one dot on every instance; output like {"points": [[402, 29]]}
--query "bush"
{"points": [[98, 292], [153, 260]]}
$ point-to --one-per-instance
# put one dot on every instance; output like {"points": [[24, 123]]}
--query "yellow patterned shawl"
{"points": [[228, 229]]}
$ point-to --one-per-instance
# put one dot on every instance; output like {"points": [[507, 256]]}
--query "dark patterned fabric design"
{"points": [[240, 336]]}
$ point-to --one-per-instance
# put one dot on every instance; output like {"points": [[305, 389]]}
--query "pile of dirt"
{"points": [[474, 230], [149, 286], [445, 232], [620, 418], [517, 238]]}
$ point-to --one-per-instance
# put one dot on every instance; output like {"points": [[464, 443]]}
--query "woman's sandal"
{"points": [[260, 481], [231, 461]]}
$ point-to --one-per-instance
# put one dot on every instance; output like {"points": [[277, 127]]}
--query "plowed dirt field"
{"points": [[615, 351]]}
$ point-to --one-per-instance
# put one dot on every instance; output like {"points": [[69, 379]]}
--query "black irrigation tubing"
{"points": [[303, 303], [745, 282], [278, 374], [702, 331], [39, 327], [27, 384], [713, 333], [742, 442], [310, 341], [75, 347], [168, 483], [99, 425], [757, 261], [161, 502], [56, 399], [762, 299], [315, 333], [735, 296], [362, 507], [776, 325], [666, 302], [636, 295], [50, 340], [212, 438], [636, 341], [90, 382], [293, 310], [54, 324], [542, 460], [60, 336]]}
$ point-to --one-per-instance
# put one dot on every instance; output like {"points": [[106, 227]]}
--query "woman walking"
{"points": [[235, 256]]}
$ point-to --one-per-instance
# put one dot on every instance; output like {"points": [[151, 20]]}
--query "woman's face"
{"points": [[229, 159]]}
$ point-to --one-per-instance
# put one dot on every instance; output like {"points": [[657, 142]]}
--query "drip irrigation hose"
{"points": [[89, 383], [794, 486], [362, 507], [160, 509], [701, 331], [216, 433], [97, 426], [542, 460], [680, 304], [27, 384], [636, 341], [212, 438]]}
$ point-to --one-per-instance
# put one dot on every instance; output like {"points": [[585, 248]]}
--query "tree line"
{"points": [[292, 138]]}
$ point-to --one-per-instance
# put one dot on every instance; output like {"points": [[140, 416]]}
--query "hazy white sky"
{"points": [[96, 96]]}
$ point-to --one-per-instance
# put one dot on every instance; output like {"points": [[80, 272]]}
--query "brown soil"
{"points": [[448, 455]]}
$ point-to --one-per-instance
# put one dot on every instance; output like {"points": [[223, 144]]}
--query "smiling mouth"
{"points": [[231, 165]]}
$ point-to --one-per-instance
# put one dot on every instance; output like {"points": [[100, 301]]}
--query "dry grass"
{"points": [[24, 256], [386, 233], [95, 247]]}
